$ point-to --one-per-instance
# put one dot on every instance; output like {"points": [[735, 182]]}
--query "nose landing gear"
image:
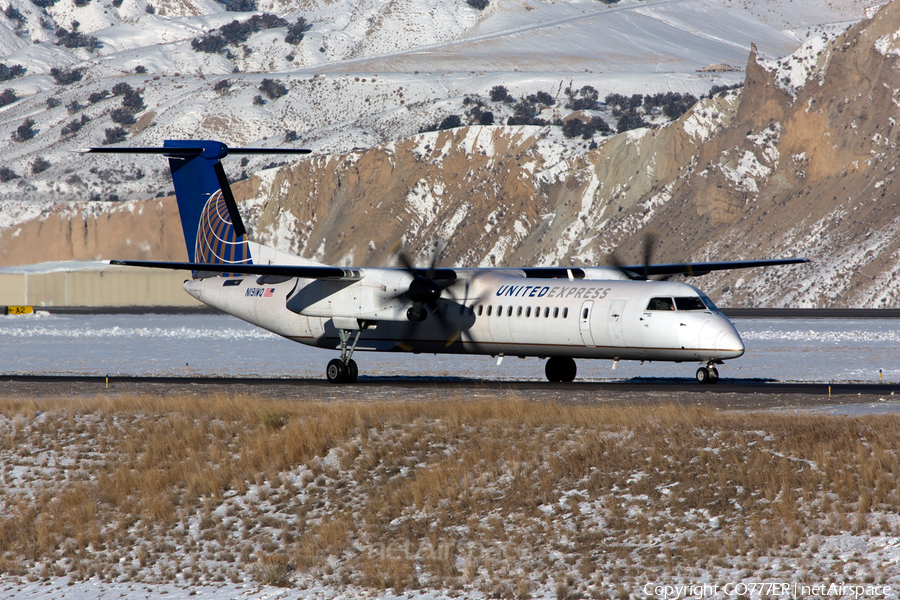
{"points": [[708, 374]]}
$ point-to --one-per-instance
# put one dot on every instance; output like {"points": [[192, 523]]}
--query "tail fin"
{"points": [[210, 221], [212, 226]]}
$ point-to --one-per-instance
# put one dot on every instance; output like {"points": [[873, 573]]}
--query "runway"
{"points": [[740, 394]]}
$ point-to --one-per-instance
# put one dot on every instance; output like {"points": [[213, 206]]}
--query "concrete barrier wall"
{"points": [[117, 286]]}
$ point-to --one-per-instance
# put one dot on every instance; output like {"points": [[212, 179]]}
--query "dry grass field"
{"points": [[509, 498]]}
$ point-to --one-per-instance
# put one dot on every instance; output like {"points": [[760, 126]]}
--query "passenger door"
{"points": [[584, 322]]}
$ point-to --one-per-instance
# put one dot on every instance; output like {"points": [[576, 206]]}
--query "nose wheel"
{"points": [[707, 374]]}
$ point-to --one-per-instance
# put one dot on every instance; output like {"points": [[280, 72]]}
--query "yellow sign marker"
{"points": [[19, 310]]}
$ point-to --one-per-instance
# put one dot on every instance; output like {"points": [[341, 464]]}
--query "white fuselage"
{"points": [[487, 312]]}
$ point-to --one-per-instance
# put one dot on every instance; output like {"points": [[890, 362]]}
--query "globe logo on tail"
{"points": [[216, 239]]}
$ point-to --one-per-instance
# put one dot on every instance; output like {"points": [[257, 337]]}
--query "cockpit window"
{"points": [[709, 303], [690, 303], [661, 304]]}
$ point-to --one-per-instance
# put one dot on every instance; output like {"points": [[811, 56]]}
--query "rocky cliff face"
{"points": [[800, 162]]}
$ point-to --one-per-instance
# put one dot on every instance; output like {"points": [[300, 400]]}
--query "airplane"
{"points": [[557, 313]]}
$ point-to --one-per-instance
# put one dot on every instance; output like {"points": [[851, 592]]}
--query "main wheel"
{"points": [[703, 375], [336, 371], [352, 371], [560, 369], [713, 375], [551, 370], [569, 370]]}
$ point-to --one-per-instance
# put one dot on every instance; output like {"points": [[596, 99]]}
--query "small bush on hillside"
{"points": [[8, 97], [259, 100], [40, 165], [44, 3], [222, 86], [73, 126], [499, 93], [236, 33], [25, 131], [14, 14], [486, 118], [7, 73], [7, 174], [240, 5], [53, 102], [98, 96], [115, 134], [121, 88], [584, 99], [133, 102], [66, 76], [76, 39], [296, 30], [450, 122], [150, 9], [273, 89], [122, 117], [73, 107], [630, 120], [140, 69], [479, 4], [291, 136]]}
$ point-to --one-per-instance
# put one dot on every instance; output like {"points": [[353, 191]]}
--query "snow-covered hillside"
{"points": [[365, 72]]}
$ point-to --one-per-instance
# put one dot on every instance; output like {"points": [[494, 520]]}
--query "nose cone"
{"points": [[730, 341]]}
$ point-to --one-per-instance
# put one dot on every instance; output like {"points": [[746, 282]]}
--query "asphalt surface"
{"points": [[742, 394]]}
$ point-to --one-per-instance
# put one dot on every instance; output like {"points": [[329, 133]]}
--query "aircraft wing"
{"points": [[702, 268], [448, 276], [306, 272]]}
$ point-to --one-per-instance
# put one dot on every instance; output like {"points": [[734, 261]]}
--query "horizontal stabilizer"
{"points": [[221, 151]]}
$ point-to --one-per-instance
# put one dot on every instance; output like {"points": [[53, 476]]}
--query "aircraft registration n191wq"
{"points": [[558, 313]]}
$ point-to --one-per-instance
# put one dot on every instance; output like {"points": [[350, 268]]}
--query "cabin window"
{"points": [[555, 312], [527, 311], [546, 311], [481, 310], [661, 304], [509, 311], [565, 313], [690, 303], [490, 306], [584, 313], [471, 311], [537, 312], [519, 312]]}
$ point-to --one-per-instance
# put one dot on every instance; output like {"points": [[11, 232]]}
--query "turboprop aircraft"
{"points": [[558, 313]]}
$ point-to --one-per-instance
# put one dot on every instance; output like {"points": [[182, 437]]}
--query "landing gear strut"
{"points": [[560, 368], [344, 369], [707, 374]]}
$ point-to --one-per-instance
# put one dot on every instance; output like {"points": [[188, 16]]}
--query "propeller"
{"points": [[424, 291], [648, 245]]}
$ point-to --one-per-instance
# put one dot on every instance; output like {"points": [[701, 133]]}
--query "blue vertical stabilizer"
{"points": [[212, 226]]}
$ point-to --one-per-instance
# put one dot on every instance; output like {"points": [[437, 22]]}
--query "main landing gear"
{"points": [[344, 369], [560, 368], [707, 374]]}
